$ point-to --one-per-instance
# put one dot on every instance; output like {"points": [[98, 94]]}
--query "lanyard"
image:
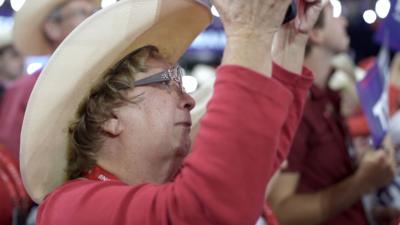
{"points": [[269, 215], [98, 173]]}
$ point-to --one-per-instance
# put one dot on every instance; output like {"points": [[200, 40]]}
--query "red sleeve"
{"points": [[299, 86], [223, 181], [12, 112]]}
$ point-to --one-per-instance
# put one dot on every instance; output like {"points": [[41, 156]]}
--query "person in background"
{"points": [[11, 61], [40, 26], [288, 44], [320, 184], [14, 200]]}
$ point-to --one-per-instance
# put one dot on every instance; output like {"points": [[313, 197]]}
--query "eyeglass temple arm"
{"points": [[156, 78]]}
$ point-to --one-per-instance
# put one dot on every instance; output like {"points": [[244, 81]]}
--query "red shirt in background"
{"points": [[222, 181], [12, 111], [320, 152], [13, 197], [6, 206]]}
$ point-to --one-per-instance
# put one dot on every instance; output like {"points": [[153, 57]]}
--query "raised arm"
{"points": [[289, 44], [288, 52]]}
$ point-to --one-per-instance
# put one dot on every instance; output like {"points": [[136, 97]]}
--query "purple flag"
{"points": [[373, 94]]}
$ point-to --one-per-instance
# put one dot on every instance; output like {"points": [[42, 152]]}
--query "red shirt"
{"points": [[320, 152], [7, 204], [12, 111], [12, 193], [222, 181]]}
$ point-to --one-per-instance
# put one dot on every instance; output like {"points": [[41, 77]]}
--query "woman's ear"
{"points": [[112, 126]]}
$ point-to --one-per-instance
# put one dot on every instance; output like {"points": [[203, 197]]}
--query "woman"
{"points": [[128, 143]]}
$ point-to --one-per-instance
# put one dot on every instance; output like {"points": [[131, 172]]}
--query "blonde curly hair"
{"points": [[85, 133]]}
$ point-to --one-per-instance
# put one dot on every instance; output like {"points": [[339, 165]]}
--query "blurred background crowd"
{"points": [[364, 17]]}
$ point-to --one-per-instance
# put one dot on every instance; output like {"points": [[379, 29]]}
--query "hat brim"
{"points": [[28, 31], [80, 61]]}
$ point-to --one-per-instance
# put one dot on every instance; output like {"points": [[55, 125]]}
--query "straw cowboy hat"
{"points": [[28, 31], [80, 62]]}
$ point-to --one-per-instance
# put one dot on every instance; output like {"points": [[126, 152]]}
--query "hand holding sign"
{"points": [[376, 170]]}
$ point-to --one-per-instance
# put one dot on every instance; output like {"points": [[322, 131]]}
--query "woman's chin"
{"points": [[184, 150]]}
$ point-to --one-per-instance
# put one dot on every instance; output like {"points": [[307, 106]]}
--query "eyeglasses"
{"points": [[174, 73]]}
